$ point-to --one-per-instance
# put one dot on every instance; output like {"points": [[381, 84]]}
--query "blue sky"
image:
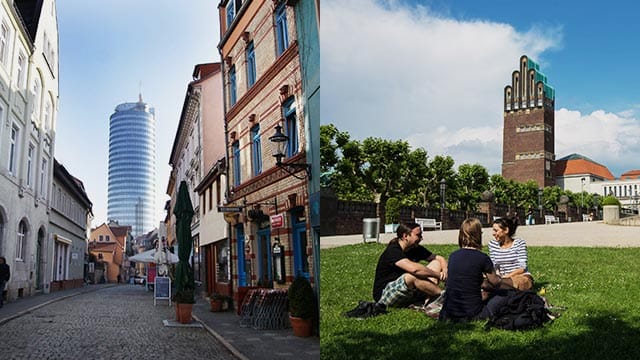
{"points": [[107, 49], [433, 73]]}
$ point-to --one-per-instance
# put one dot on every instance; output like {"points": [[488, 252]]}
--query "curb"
{"points": [[222, 340]]}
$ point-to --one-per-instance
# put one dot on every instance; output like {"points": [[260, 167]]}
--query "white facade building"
{"points": [[28, 113]]}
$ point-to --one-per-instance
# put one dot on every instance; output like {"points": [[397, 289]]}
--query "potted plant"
{"points": [[392, 215], [184, 300], [610, 210], [219, 302], [301, 306]]}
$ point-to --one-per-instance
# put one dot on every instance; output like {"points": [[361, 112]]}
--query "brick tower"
{"points": [[528, 139]]}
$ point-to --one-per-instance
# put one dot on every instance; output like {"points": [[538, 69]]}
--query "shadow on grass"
{"points": [[601, 337]]}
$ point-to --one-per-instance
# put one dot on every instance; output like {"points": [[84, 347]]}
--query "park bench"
{"points": [[550, 219], [429, 223]]}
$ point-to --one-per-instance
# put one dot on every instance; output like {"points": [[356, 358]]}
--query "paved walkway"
{"points": [[588, 234], [243, 342]]}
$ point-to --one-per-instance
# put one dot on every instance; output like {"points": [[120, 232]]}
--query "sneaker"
{"points": [[374, 310], [360, 310]]}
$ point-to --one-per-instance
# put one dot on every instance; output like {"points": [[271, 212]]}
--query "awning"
{"points": [[62, 239]]}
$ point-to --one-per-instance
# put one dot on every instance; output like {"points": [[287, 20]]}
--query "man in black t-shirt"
{"points": [[399, 273]]}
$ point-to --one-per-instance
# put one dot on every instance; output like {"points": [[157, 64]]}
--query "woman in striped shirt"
{"points": [[509, 254]]}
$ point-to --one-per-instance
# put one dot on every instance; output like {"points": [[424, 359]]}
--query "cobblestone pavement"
{"points": [[118, 322]]}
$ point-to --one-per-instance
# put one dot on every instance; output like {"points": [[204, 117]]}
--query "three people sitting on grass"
{"points": [[400, 278], [469, 270]]}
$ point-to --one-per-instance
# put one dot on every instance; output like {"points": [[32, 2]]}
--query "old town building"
{"points": [[269, 204], [28, 114]]}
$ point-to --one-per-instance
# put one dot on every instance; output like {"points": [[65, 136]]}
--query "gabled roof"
{"points": [[576, 164], [631, 174]]}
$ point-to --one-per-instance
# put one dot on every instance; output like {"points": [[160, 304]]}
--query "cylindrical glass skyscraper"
{"points": [[132, 167]]}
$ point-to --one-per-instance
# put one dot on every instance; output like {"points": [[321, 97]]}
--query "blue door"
{"points": [[264, 255], [242, 274], [300, 258]]}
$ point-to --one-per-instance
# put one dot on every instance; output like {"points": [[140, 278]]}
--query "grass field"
{"points": [[600, 287]]}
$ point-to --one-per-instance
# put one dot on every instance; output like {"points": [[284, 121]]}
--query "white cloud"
{"points": [[610, 139]]}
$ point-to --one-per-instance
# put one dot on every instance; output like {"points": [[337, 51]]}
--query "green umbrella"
{"points": [[183, 210]]}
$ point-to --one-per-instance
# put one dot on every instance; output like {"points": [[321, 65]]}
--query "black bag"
{"points": [[517, 310]]}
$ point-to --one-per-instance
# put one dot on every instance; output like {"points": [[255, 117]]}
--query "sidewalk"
{"points": [[19, 307], [586, 234], [244, 343]]}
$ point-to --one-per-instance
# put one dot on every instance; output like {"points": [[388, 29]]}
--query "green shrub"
{"points": [[610, 200], [301, 298], [392, 210]]}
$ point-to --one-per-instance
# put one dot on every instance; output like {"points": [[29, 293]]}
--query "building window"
{"points": [[100, 238], [256, 152], [251, 65], [291, 127], [47, 116], [232, 86], [4, 42], [282, 37], [107, 238], [43, 178], [20, 71], [21, 242], [13, 150], [218, 195], [231, 13], [36, 100], [236, 163], [30, 153]]}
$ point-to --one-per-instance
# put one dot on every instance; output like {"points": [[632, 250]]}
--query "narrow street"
{"points": [[118, 322]]}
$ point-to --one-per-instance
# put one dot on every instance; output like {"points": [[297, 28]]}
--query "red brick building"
{"points": [[529, 126], [270, 232]]}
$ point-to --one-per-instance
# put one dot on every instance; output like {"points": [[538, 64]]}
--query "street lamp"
{"points": [[582, 195], [540, 201], [443, 189], [279, 150]]}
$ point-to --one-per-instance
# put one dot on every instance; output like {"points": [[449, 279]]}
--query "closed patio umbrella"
{"points": [[183, 210]]}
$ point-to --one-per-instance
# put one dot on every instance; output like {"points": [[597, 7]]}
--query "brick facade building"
{"points": [[529, 126], [263, 89]]}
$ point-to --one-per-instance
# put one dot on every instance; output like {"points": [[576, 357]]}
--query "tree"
{"points": [[440, 167], [472, 180]]}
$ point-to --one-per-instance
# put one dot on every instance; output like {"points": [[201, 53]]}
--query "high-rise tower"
{"points": [[528, 139], [132, 166]]}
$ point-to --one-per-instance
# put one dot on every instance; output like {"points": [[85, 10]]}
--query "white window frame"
{"points": [[4, 42], [21, 67], [47, 115], [37, 93], [14, 142], [21, 241], [43, 178], [30, 153]]}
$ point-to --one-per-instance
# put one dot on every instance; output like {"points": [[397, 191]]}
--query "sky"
{"points": [[433, 73], [109, 52]]}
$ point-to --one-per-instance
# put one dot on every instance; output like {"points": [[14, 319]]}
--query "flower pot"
{"points": [[183, 313], [301, 327], [216, 305]]}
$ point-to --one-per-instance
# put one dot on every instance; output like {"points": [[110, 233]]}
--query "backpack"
{"points": [[517, 310]]}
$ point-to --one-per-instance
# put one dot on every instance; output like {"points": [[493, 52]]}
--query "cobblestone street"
{"points": [[118, 322]]}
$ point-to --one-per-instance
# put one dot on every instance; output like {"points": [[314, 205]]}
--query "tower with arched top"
{"points": [[528, 135]]}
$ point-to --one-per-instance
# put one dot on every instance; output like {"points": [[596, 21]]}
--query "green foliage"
{"points": [[601, 320], [472, 181], [301, 298], [610, 200], [392, 210], [184, 297]]}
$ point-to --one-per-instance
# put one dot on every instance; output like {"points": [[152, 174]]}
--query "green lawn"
{"points": [[600, 287]]}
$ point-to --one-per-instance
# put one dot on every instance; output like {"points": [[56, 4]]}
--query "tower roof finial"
{"points": [[140, 92]]}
